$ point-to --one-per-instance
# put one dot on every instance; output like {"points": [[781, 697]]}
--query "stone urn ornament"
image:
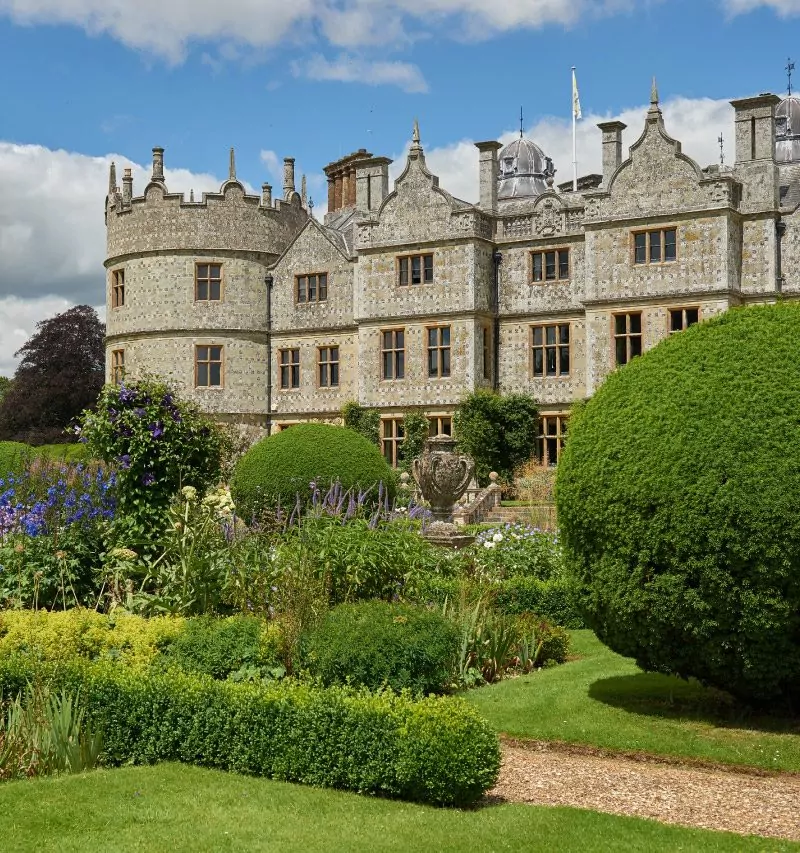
{"points": [[443, 475]]}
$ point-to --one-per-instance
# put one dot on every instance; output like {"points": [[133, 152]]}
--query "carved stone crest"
{"points": [[548, 219]]}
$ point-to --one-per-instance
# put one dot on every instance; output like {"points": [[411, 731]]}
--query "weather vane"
{"points": [[311, 205], [521, 124], [789, 69], [721, 150]]}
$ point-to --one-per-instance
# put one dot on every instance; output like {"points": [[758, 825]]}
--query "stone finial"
{"points": [[112, 178], [158, 166], [494, 476], [654, 92], [654, 113], [415, 143], [232, 166], [127, 186], [303, 191], [266, 195], [191, 195]]}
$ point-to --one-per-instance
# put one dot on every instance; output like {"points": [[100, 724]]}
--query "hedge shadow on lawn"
{"points": [[667, 696]]}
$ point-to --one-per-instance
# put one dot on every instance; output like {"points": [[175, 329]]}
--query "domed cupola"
{"points": [[787, 130], [524, 170]]}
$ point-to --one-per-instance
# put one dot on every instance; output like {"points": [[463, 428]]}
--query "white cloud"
{"points": [[695, 122], [352, 69], [18, 319], [784, 8], [168, 29]]}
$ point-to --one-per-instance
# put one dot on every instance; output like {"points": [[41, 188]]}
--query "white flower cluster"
{"points": [[220, 502]]}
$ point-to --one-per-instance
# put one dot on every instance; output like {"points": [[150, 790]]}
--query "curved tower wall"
{"points": [[157, 240]]}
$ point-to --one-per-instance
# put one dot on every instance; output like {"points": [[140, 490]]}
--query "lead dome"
{"points": [[787, 130], [523, 170]]}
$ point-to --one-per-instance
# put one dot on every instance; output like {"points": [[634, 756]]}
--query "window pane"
{"points": [[636, 345], [446, 426], [432, 337], [675, 320], [202, 271], [551, 361], [202, 353], [416, 275], [312, 288], [640, 247], [550, 265], [563, 334], [635, 323], [399, 337], [403, 271], [202, 374], [563, 264], [301, 289], [401, 365], [619, 324], [445, 362], [202, 290], [295, 376], [433, 362], [216, 270], [216, 290], [563, 360], [295, 356], [692, 316], [335, 373], [387, 340], [622, 351], [552, 451], [387, 365], [445, 332], [655, 246], [323, 287], [550, 334], [216, 374], [537, 267], [334, 353], [538, 362], [538, 333], [670, 245], [428, 268]]}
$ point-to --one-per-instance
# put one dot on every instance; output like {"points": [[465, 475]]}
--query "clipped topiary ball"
{"points": [[281, 467], [678, 500]]}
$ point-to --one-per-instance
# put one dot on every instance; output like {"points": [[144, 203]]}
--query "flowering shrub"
{"points": [[518, 550], [157, 444]]}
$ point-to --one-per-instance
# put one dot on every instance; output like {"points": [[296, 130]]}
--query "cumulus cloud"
{"points": [[168, 29], [352, 69], [695, 122], [784, 8]]}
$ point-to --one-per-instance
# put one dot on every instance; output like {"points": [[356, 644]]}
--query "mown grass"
{"points": [[605, 700], [181, 808]]}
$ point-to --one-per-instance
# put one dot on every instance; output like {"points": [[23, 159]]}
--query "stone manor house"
{"points": [[408, 297]]}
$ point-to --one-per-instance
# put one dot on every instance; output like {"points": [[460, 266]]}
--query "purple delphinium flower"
{"points": [[148, 479], [126, 395], [124, 460], [140, 413], [156, 429]]}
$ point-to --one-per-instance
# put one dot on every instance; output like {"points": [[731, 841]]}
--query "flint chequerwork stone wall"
{"points": [[417, 261]]}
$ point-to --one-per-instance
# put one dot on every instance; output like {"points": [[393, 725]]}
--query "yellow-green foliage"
{"points": [[63, 635]]}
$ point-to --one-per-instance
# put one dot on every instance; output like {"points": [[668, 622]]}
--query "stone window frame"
{"points": [[331, 365], [408, 260], [118, 288], [291, 368], [394, 349], [318, 289], [209, 280], [209, 361], [392, 441], [648, 232], [117, 365], [444, 351], [629, 336], [557, 348], [673, 309], [440, 424], [551, 434], [542, 254]]}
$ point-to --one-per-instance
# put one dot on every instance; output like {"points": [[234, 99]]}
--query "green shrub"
{"points": [[366, 422], [221, 647], [373, 643], [281, 467], [13, 457], [544, 644], [679, 504], [437, 750]]}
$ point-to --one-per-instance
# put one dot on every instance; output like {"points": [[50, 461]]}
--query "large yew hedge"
{"points": [[679, 504], [281, 468]]}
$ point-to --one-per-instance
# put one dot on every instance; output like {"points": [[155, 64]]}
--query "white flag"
{"points": [[576, 101]]}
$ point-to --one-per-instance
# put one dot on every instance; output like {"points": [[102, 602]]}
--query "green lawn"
{"points": [[177, 807], [605, 700]]}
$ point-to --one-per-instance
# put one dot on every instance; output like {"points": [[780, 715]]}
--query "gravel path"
{"points": [[755, 803]]}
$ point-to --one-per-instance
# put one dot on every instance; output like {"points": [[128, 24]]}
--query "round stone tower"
{"points": [[185, 292]]}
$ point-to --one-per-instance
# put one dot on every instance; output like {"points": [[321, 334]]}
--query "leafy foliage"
{"points": [[679, 503], [436, 750], [366, 422], [282, 467], [5, 386], [374, 643], [60, 374], [157, 444], [13, 457], [498, 431], [415, 434]]}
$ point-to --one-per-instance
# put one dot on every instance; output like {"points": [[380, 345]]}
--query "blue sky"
{"points": [[315, 79]]}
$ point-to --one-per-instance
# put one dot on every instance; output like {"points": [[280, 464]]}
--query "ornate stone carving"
{"points": [[518, 226], [548, 219]]}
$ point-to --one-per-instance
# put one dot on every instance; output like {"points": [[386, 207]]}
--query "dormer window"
{"points": [[781, 127], [508, 166]]}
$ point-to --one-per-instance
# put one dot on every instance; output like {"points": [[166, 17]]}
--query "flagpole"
{"points": [[574, 138]]}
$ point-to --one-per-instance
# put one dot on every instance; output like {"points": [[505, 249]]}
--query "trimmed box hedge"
{"points": [[435, 750]]}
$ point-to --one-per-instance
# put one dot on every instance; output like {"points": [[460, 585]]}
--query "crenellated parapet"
{"points": [[229, 220]]}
